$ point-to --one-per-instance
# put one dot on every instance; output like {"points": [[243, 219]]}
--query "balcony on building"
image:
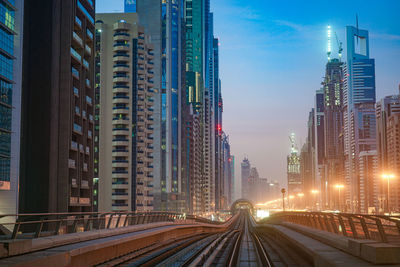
{"points": [[74, 146], [84, 184], [74, 184], [71, 164]]}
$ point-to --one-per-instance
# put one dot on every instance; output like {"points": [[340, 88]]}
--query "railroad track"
{"points": [[241, 245]]}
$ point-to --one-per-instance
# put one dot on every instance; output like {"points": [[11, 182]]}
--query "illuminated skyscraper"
{"points": [[295, 184]]}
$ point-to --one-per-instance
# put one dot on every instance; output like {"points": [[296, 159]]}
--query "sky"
{"points": [[272, 60]]}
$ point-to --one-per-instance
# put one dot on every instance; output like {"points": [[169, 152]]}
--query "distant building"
{"points": [[245, 174], [295, 184]]}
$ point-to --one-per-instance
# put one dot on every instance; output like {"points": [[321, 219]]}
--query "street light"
{"points": [[339, 187], [388, 177], [315, 192]]}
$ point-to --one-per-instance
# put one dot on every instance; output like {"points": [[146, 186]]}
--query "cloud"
{"points": [[292, 25], [385, 36]]}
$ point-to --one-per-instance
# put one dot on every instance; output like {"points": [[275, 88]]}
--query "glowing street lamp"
{"points": [[339, 187], [388, 177]]}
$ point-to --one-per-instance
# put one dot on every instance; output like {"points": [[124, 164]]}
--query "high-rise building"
{"points": [[359, 113], [11, 14], [233, 180], [321, 184], [253, 182], [163, 23], [393, 163], [245, 174], [57, 106], [295, 183], [387, 111], [126, 114], [333, 131]]}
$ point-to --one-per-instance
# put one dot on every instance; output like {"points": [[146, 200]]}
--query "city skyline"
{"points": [[285, 39]]}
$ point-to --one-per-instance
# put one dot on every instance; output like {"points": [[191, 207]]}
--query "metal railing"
{"points": [[359, 226], [28, 226]]}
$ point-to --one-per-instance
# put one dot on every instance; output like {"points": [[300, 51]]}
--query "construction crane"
{"points": [[340, 47]]}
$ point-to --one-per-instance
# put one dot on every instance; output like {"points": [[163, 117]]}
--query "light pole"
{"points": [[388, 177], [339, 187], [283, 191], [315, 192]]}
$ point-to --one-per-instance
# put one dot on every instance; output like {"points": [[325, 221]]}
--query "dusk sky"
{"points": [[272, 59]]}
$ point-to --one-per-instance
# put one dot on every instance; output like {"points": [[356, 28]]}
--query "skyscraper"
{"points": [[387, 113], [245, 174], [333, 131], [126, 114], [359, 114], [319, 128], [10, 103], [163, 23], [295, 184], [57, 106]]}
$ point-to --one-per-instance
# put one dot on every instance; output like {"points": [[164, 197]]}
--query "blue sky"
{"points": [[272, 58]]}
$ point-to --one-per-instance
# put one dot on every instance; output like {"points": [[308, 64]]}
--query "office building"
{"points": [[245, 174], [10, 104], [387, 113], [333, 131], [295, 184], [359, 112], [126, 114], [163, 23], [57, 106], [321, 184]]}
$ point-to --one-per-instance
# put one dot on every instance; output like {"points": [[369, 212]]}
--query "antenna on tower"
{"points": [[293, 147], [329, 48], [358, 32]]}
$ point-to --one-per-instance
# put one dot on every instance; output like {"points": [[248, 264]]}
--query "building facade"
{"points": [[245, 174], [56, 173], [295, 183], [10, 103], [387, 112], [126, 114], [163, 22], [333, 131], [359, 112]]}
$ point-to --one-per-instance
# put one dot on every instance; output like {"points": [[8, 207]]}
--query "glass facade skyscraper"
{"points": [[7, 32], [166, 36], [10, 104], [359, 115]]}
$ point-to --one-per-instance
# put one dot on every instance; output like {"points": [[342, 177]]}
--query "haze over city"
{"points": [[271, 57]]}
